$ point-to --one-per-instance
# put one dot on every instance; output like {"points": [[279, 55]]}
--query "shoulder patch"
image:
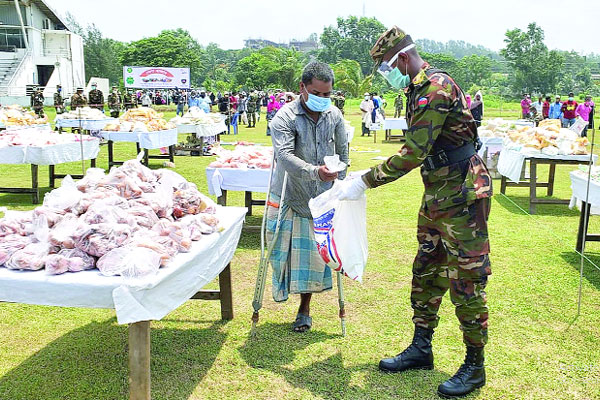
{"points": [[422, 102]]}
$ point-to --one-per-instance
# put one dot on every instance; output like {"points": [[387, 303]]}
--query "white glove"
{"points": [[351, 189]]}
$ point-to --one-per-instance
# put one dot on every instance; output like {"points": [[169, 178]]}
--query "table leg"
{"points": [[503, 185], [582, 231], [35, 197], [226, 294], [248, 202], [137, 149], [139, 361], [222, 199], [532, 185], [374, 136], [172, 154], [93, 163], [146, 156], [51, 173], [110, 154], [551, 179]]}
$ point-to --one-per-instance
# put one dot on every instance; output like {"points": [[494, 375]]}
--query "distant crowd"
{"points": [[566, 111]]}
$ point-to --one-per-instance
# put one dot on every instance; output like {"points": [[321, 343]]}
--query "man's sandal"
{"points": [[303, 323]]}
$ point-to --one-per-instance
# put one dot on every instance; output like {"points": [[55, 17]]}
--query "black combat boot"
{"points": [[416, 356], [470, 376]]}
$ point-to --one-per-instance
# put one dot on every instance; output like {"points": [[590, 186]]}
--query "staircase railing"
{"points": [[8, 89]]}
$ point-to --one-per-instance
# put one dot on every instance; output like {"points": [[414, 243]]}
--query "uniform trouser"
{"points": [[251, 118], [179, 108], [114, 113], [398, 113], [453, 254], [39, 111]]}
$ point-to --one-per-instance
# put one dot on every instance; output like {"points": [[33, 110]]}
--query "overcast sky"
{"points": [[568, 26]]}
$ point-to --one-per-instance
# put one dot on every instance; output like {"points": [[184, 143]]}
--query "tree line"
{"points": [[524, 65]]}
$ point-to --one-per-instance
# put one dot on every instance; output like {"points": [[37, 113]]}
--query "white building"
{"points": [[36, 48]]}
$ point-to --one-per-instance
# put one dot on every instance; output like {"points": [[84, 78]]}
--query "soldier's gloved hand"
{"points": [[351, 188]]}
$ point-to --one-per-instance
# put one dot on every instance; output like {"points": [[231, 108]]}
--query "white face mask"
{"points": [[367, 98]]}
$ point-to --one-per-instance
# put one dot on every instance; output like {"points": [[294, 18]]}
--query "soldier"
{"points": [[252, 108], [37, 101], [339, 101], [78, 99], [59, 102], [114, 102], [129, 100], [452, 226], [398, 105], [96, 97]]}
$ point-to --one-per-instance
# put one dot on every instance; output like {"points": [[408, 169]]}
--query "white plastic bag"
{"points": [[132, 263], [341, 232], [579, 126], [65, 197]]}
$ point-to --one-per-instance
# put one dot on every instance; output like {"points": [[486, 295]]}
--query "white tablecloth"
{"points": [[579, 189], [510, 162], [241, 180], [50, 155], [19, 127], [87, 124], [203, 130], [491, 144], [147, 140], [171, 287]]}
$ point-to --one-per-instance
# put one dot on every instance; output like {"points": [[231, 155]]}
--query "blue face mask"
{"points": [[316, 103]]}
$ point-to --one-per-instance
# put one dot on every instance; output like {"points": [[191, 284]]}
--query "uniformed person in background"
{"points": [[129, 100], [114, 102], [78, 99], [339, 100], [96, 97], [37, 101], [398, 105], [59, 102], [452, 226], [252, 108]]}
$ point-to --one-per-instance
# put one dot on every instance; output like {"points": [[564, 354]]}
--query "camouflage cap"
{"points": [[387, 41]]}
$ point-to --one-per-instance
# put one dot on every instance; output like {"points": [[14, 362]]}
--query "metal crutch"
{"points": [[263, 266], [341, 303]]}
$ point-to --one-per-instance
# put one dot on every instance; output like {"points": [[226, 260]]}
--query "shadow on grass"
{"points": [[91, 363], [555, 210], [590, 272], [274, 349]]}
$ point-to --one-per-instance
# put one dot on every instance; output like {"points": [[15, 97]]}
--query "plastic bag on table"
{"points": [[66, 197], [170, 178], [144, 216], [187, 200], [200, 224], [151, 240], [10, 244], [174, 231], [101, 212], [62, 232], [119, 182], [133, 263], [16, 222], [32, 256], [579, 126], [97, 240], [340, 229], [91, 179], [69, 260], [52, 215], [135, 169]]}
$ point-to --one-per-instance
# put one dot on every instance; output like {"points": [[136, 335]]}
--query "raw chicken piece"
{"points": [[100, 212], [61, 233], [52, 215], [144, 216], [72, 260], [174, 231], [16, 222], [97, 240], [10, 244], [136, 170]]}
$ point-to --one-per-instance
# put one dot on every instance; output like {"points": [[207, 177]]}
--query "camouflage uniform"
{"points": [[37, 102], [398, 106], [129, 101], [252, 108], [114, 104], [78, 100], [339, 101], [452, 225], [59, 102], [96, 99]]}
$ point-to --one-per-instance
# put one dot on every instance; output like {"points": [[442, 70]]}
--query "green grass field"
{"points": [[537, 348]]}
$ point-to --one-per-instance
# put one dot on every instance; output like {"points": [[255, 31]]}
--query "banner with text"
{"points": [[156, 77]]}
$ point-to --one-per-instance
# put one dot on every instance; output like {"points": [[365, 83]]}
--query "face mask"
{"points": [[367, 98], [571, 98], [316, 103], [59, 90], [394, 77]]}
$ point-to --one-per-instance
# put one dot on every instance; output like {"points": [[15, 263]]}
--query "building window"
{"points": [[10, 37]]}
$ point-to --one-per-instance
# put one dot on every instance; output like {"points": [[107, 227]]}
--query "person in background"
{"points": [[243, 108], [78, 99], [468, 98], [339, 100], [233, 102], [59, 102], [376, 105], [114, 102], [224, 108], [556, 109], [37, 101], [546, 107], [178, 100], [272, 107], [366, 107], [525, 104], [96, 97], [193, 100], [398, 105], [129, 100], [252, 108], [477, 109], [204, 102], [584, 110], [539, 106], [213, 98], [593, 105], [145, 99], [568, 109]]}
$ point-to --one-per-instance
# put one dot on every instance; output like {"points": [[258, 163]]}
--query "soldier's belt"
{"points": [[448, 157]]}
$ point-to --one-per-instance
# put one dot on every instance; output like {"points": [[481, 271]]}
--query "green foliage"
{"points": [[270, 67], [350, 79], [351, 39], [173, 48]]}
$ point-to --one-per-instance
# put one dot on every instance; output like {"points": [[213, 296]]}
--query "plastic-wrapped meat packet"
{"points": [[99, 239], [133, 263], [52, 215], [91, 179], [32, 256], [62, 233], [16, 222], [144, 216], [175, 232], [10, 244], [160, 201], [125, 185], [65, 198], [101, 212], [88, 198], [69, 260], [186, 200], [135, 169], [153, 241]]}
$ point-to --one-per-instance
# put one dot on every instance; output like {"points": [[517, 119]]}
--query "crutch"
{"points": [[341, 303], [263, 266]]}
